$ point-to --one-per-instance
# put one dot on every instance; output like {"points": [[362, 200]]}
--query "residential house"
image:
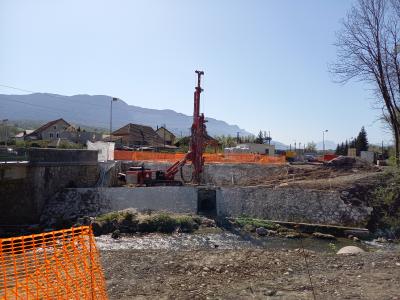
{"points": [[49, 131], [252, 148], [80, 136], [167, 136], [134, 135], [60, 130], [20, 136]]}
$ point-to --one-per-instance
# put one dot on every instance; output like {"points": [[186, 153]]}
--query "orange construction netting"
{"points": [[209, 157], [60, 264]]}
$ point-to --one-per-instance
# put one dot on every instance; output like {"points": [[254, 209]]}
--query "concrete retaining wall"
{"points": [[25, 187], [223, 174], [61, 156]]}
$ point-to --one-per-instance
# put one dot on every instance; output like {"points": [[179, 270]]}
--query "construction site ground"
{"points": [[250, 274], [322, 177], [254, 272]]}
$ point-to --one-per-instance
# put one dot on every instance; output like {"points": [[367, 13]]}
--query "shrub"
{"points": [[385, 200], [244, 220]]}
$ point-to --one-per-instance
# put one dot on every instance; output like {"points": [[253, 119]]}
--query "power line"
{"points": [[42, 107], [15, 88], [58, 97], [31, 104]]}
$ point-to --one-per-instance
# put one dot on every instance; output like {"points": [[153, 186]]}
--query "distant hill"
{"points": [[279, 145], [94, 111], [329, 145]]}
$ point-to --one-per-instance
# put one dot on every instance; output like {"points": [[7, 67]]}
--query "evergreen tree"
{"points": [[338, 150], [260, 138], [361, 143]]}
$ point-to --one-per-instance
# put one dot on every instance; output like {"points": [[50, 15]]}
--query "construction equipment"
{"points": [[143, 176]]}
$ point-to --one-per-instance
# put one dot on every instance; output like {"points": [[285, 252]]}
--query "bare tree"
{"points": [[368, 50]]}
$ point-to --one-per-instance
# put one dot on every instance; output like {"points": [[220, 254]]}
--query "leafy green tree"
{"points": [[311, 147], [226, 141], [368, 51]]}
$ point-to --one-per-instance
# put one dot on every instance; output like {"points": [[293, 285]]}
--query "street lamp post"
{"points": [[113, 99], [323, 140], [111, 105]]}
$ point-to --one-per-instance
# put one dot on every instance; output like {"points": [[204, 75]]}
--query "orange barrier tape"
{"points": [[209, 157], [60, 264]]}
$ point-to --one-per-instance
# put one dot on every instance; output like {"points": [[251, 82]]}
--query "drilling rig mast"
{"points": [[198, 133], [197, 145]]}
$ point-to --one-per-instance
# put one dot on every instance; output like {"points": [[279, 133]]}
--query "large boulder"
{"points": [[261, 231], [350, 250]]}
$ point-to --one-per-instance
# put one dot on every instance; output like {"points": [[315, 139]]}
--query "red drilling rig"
{"points": [[147, 177]]}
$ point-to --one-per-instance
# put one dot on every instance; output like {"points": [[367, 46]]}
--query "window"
{"points": [[57, 135], [51, 135], [55, 127]]}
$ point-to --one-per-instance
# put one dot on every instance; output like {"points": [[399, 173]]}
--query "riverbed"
{"points": [[226, 240]]}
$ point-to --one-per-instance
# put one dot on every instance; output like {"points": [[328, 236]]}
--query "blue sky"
{"points": [[265, 62]]}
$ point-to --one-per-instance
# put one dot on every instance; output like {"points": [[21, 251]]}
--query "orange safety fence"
{"points": [[209, 157], [60, 264]]}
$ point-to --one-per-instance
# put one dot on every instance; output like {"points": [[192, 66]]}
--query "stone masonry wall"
{"points": [[292, 205], [71, 204], [285, 204]]}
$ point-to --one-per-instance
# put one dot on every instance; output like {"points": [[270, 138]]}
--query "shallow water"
{"points": [[226, 240]]}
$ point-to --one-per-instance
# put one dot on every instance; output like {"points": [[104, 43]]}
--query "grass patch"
{"points": [[246, 221], [167, 223], [117, 216], [132, 222]]}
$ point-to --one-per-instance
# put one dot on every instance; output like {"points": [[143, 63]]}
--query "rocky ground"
{"points": [[250, 274]]}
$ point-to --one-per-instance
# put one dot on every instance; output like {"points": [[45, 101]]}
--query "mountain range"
{"points": [[95, 111]]}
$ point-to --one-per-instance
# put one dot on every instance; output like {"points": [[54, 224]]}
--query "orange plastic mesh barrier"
{"points": [[209, 157], [60, 264]]}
